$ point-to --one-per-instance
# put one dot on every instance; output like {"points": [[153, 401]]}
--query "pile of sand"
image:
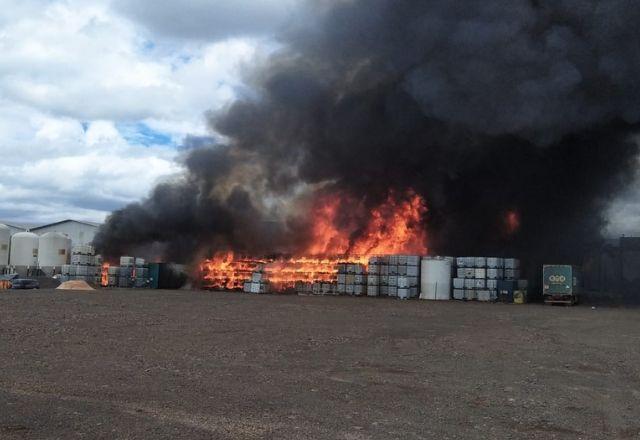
{"points": [[75, 285]]}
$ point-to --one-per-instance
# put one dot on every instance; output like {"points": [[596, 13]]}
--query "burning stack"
{"points": [[485, 278], [225, 272], [304, 274], [85, 265]]}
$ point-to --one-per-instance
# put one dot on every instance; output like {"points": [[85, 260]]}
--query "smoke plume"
{"points": [[514, 120]]}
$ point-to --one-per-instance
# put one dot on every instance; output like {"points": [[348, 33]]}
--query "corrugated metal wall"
{"points": [[612, 272]]}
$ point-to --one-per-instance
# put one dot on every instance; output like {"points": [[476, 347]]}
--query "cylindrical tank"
{"points": [[435, 280], [54, 250], [24, 249], [5, 240]]}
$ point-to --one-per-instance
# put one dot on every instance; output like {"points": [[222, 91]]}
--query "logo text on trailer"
{"points": [[557, 278]]}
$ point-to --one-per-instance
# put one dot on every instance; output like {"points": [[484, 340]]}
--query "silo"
{"points": [[24, 250], [5, 239], [53, 250], [435, 279]]}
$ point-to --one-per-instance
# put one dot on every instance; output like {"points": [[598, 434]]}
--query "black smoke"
{"points": [[484, 107]]}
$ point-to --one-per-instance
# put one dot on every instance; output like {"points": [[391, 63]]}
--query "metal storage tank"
{"points": [[5, 240], [435, 281], [54, 250], [24, 249]]}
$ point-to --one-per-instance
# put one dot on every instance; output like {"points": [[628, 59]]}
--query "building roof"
{"points": [[24, 228], [95, 225]]}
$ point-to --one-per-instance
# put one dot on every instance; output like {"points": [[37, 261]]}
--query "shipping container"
{"points": [[167, 276]]}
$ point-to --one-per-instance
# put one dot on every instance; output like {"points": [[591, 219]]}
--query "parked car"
{"points": [[24, 283]]}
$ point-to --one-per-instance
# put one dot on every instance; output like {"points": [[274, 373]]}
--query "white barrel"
{"points": [[435, 281], [5, 241], [24, 249], [53, 249]]}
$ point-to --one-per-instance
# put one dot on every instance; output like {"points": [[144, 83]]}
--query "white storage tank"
{"points": [[5, 241], [54, 250], [435, 280], [24, 249]]}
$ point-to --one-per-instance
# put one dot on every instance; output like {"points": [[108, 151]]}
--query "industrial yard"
{"points": [[182, 364]]}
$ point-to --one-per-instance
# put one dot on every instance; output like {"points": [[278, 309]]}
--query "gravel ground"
{"points": [[192, 365]]}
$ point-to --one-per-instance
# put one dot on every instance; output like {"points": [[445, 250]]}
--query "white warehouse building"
{"points": [[79, 232]]}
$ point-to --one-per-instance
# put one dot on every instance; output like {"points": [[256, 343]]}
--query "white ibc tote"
{"points": [[435, 281]]}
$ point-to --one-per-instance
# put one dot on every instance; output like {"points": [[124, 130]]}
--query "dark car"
{"points": [[24, 283]]}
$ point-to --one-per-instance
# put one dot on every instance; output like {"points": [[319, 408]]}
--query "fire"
{"points": [[393, 227], [104, 275], [512, 222], [225, 271]]}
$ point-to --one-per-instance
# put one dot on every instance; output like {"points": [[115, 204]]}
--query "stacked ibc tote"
{"points": [[396, 276], [488, 279], [132, 272], [352, 280], [85, 265]]}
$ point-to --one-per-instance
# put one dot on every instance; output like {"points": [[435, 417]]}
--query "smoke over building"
{"points": [[512, 121]]}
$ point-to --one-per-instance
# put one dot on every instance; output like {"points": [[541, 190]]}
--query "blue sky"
{"points": [[97, 97]]}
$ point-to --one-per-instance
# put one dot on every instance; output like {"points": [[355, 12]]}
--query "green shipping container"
{"points": [[560, 280], [167, 276]]}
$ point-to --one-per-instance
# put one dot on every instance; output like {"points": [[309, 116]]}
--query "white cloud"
{"points": [[77, 79], [88, 173], [209, 19]]}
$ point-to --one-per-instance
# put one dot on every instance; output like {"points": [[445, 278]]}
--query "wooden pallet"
{"points": [[566, 300]]}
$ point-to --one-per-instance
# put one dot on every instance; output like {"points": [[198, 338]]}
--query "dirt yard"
{"points": [[197, 365]]}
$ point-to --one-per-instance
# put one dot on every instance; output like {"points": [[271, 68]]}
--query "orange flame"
{"points": [[512, 222], [394, 227], [104, 275]]}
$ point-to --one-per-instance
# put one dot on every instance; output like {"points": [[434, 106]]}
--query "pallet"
{"points": [[566, 300]]}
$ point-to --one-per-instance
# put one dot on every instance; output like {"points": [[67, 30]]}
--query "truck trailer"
{"points": [[560, 284]]}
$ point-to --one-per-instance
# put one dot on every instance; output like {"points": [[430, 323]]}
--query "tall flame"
{"points": [[104, 275], [394, 227]]}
